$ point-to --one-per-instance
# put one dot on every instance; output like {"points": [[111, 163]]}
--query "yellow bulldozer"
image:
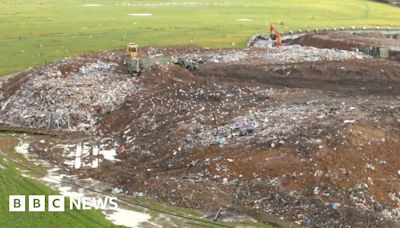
{"points": [[136, 64], [133, 50], [133, 61]]}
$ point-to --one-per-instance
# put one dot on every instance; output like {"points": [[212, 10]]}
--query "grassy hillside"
{"points": [[12, 183], [35, 31]]}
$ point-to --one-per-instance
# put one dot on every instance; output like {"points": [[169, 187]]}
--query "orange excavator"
{"points": [[275, 35]]}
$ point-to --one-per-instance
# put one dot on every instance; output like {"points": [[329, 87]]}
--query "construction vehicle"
{"points": [[185, 63], [133, 61], [136, 64], [275, 35]]}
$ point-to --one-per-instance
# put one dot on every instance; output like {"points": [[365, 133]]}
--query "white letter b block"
{"points": [[37, 203], [16, 203]]}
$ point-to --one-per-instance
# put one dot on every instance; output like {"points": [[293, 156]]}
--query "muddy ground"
{"points": [[313, 143]]}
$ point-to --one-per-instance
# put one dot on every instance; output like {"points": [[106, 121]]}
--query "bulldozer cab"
{"points": [[133, 50]]}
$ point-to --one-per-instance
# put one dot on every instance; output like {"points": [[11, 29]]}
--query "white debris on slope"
{"points": [[263, 125], [98, 66], [109, 154], [95, 162], [84, 155], [22, 148], [78, 154], [127, 218], [297, 53], [220, 57], [283, 54]]}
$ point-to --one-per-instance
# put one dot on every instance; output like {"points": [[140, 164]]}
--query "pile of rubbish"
{"points": [[284, 54], [297, 53], [98, 66], [67, 102], [225, 57], [265, 125], [312, 144], [191, 110]]}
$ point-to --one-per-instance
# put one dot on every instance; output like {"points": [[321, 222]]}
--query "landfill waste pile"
{"points": [[265, 124], [289, 136], [285, 54], [67, 102], [297, 53]]}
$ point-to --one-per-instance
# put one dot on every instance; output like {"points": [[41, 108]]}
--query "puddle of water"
{"points": [[75, 157], [127, 218]]}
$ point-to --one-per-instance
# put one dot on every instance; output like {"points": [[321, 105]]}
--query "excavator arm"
{"points": [[275, 35]]}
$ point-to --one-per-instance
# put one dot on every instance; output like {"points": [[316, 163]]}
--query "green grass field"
{"points": [[33, 32], [13, 183]]}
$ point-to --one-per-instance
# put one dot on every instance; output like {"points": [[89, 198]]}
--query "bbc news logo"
{"points": [[56, 203]]}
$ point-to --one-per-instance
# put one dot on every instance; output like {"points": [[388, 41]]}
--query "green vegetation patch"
{"points": [[34, 32]]}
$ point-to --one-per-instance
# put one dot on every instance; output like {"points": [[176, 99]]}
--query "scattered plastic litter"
{"points": [[284, 54], [98, 66], [117, 191], [67, 102]]}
